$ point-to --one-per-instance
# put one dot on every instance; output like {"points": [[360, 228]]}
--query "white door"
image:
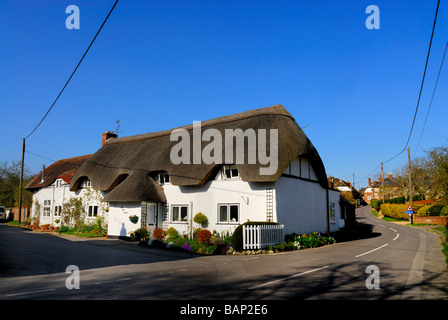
{"points": [[151, 216]]}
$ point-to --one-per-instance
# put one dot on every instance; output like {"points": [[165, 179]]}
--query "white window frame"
{"points": [[179, 213], [57, 211], [227, 206], [163, 178], [87, 183], [58, 183], [92, 211], [230, 168], [47, 208]]}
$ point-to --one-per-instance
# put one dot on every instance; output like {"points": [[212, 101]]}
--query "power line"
{"points": [[430, 104], [79, 63], [420, 93], [51, 107], [424, 74]]}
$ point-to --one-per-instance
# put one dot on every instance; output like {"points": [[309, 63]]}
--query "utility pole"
{"points": [[353, 185], [21, 181], [410, 181], [382, 182]]}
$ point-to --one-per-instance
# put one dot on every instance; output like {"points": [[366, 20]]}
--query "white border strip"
{"points": [[293, 276]]}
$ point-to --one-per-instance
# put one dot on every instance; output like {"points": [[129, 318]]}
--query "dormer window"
{"points": [[230, 171], [58, 183], [161, 177], [87, 183]]}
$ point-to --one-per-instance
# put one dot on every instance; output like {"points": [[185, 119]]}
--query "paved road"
{"points": [[408, 261]]}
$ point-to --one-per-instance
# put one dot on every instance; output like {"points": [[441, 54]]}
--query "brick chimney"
{"points": [[370, 182], [42, 177], [389, 175], [107, 135]]}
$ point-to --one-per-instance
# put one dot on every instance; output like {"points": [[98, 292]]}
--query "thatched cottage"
{"points": [[145, 187]]}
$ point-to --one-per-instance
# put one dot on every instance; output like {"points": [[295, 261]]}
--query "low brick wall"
{"points": [[442, 220]]}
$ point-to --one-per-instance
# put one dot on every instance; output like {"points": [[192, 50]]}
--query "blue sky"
{"points": [[161, 64]]}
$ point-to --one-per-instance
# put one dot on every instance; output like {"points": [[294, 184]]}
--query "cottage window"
{"points": [[57, 211], [230, 171], [228, 213], [332, 212], [87, 183], [58, 183], [47, 209], [93, 211], [179, 213], [163, 178]]}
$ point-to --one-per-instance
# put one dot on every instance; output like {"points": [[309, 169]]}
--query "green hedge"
{"points": [[376, 203], [434, 210], [237, 239], [395, 211]]}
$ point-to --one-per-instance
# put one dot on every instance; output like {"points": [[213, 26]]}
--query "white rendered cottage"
{"points": [[51, 190], [145, 188]]}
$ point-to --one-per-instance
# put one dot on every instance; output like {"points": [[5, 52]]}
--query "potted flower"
{"points": [[133, 219]]}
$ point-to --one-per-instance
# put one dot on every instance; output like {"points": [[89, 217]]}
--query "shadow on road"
{"points": [[24, 253]]}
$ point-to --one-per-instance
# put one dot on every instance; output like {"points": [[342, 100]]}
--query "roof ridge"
{"points": [[277, 109]]}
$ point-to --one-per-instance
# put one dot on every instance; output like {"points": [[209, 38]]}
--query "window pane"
{"points": [[175, 213], [233, 213], [223, 213], [183, 213], [234, 172], [227, 171], [167, 178]]}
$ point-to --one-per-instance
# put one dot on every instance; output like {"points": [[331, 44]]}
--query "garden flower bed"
{"points": [[204, 242]]}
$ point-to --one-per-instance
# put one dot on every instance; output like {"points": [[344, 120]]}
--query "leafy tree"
{"points": [[438, 170], [10, 183]]}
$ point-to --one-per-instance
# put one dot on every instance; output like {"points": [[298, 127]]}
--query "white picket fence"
{"points": [[261, 236]]}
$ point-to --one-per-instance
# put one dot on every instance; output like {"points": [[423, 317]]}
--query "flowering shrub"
{"points": [[200, 218], [311, 240], [204, 236], [159, 234], [186, 246]]}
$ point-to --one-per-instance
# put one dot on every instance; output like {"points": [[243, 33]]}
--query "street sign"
{"points": [[409, 210]]}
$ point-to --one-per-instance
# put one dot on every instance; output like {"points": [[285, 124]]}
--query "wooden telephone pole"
{"points": [[21, 182], [382, 182], [410, 182]]}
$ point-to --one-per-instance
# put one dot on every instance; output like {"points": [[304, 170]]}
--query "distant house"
{"points": [[346, 189], [144, 188], [375, 189], [51, 190]]}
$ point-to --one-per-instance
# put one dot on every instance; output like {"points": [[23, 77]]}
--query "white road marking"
{"points": [[359, 255], [29, 292], [396, 237], [393, 229], [293, 276]]}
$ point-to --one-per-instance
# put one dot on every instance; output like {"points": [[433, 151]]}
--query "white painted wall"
{"points": [[299, 204], [119, 224], [250, 198], [59, 194]]}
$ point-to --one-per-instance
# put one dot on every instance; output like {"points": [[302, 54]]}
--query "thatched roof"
{"points": [[128, 162], [64, 169]]}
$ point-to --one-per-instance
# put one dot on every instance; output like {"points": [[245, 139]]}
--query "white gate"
{"points": [[261, 236]]}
